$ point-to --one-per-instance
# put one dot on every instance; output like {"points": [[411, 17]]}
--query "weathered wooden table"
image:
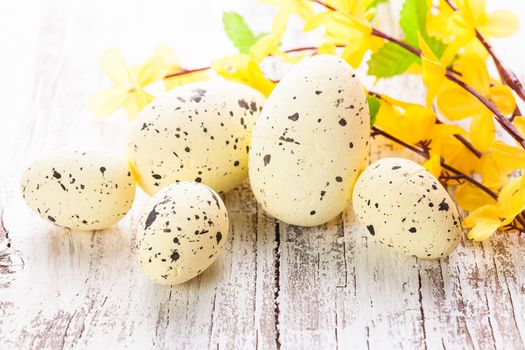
{"points": [[275, 285]]}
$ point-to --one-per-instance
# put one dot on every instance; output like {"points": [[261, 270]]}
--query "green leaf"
{"points": [[436, 45], [390, 60], [412, 20], [238, 31], [373, 107]]}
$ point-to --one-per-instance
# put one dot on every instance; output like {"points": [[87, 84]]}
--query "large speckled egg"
{"points": [[310, 142], [181, 232], [197, 132], [82, 190], [405, 207]]}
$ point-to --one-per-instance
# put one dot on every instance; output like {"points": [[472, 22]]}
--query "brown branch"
{"points": [[467, 144], [463, 140], [502, 120], [376, 131], [185, 71]]}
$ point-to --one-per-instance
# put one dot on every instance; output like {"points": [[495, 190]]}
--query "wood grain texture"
{"points": [[275, 285]]}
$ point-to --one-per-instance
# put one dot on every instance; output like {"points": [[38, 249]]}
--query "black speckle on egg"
{"points": [[267, 159], [412, 230], [218, 237], [102, 170], [152, 216], [370, 229], [443, 206], [294, 117], [338, 179], [174, 256], [342, 122]]}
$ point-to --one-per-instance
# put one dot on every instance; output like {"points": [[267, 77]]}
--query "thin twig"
{"points": [[426, 155]]}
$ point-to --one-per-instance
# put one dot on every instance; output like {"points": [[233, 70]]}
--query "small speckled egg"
{"points": [[82, 190], [406, 208], [181, 233], [310, 142], [197, 132]]}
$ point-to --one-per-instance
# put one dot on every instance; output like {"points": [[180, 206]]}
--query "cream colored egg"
{"points": [[310, 142], [181, 232], [405, 207], [198, 132], [83, 190]]}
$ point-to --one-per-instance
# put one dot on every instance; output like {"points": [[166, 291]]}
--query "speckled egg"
{"points": [[82, 190], [310, 142], [405, 207], [197, 132], [181, 232]]}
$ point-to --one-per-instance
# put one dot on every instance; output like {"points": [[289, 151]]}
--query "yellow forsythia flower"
{"points": [[486, 219], [350, 29], [456, 103], [483, 222], [243, 69], [472, 16], [128, 86]]}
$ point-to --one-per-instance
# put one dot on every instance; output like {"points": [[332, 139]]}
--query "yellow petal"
{"points": [[511, 199], [433, 165], [148, 72], [485, 212], [474, 72], [106, 102], [470, 197], [482, 132], [519, 124], [327, 48], [460, 26], [417, 123], [501, 96], [493, 176], [508, 157], [483, 230], [433, 74], [317, 21], [114, 66], [265, 46], [354, 52], [499, 24], [456, 103], [136, 102]]}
